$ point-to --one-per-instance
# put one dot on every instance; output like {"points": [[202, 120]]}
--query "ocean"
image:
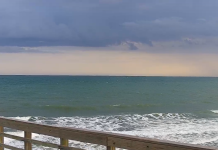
{"points": [[181, 109]]}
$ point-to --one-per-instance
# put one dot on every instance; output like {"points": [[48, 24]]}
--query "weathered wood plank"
{"points": [[111, 148], [146, 144], [27, 144], [68, 133], [64, 142], [1, 137], [36, 142], [101, 138], [10, 147]]}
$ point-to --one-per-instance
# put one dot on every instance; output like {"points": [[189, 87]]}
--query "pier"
{"points": [[110, 140]]}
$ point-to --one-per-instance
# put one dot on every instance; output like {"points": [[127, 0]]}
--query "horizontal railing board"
{"points": [[10, 147], [68, 133], [36, 142], [132, 144], [97, 137]]}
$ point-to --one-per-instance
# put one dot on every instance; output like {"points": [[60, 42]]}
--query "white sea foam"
{"points": [[215, 111], [174, 127], [21, 118]]}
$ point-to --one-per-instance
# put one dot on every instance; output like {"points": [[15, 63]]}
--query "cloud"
{"points": [[132, 46], [184, 46], [99, 23]]}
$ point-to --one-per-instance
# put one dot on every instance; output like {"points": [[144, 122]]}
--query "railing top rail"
{"points": [[98, 137]]}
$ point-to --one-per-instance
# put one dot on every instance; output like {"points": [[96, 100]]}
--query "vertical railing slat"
{"points": [[110, 148], [64, 142], [1, 137], [27, 145]]}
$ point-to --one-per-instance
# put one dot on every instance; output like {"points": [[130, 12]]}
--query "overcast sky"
{"points": [[177, 28]]}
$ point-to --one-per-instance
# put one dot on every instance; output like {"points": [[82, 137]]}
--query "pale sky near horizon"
{"points": [[109, 37]]}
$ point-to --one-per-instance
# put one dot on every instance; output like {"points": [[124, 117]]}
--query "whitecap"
{"points": [[215, 111]]}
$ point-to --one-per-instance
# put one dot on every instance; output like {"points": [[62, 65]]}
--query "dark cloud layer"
{"points": [[96, 23]]}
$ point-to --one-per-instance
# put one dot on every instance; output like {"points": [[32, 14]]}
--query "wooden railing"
{"points": [[110, 140]]}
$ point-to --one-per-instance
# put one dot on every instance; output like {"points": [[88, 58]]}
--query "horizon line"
{"points": [[103, 75]]}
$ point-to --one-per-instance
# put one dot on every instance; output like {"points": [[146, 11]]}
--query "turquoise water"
{"points": [[55, 96], [183, 109]]}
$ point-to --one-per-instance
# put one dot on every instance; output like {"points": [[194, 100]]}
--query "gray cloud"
{"points": [[100, 23], [11, 49], [132, 46]]}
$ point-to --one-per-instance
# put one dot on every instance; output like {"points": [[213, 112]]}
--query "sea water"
{"points": [[182, 109]]}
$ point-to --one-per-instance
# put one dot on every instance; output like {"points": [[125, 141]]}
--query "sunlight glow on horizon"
{"points": [[130, 63]]}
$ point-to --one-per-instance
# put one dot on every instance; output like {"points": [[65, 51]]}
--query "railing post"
{"points": [[64, 142], [110, 148], [27, 145], [1, 137]]}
